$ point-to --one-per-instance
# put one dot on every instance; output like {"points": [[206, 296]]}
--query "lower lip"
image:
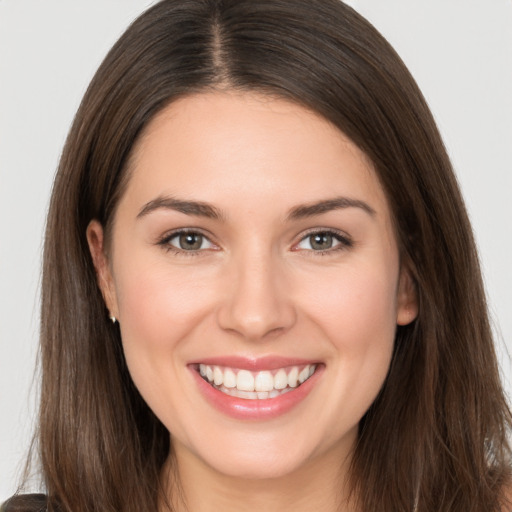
{"points": [[258, 409]]}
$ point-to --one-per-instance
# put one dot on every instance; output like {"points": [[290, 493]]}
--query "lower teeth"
{"points": [[252, 395]]}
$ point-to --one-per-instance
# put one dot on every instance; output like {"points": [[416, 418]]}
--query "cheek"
{"points": [[159, 307], [354, 302], [356, 312]]}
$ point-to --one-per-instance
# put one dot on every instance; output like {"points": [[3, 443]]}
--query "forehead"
{"points": [[248, 145]]}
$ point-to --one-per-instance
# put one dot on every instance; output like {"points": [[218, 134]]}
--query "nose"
{"points": [[257, 304]]}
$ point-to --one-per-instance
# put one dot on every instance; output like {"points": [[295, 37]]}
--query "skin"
{"points": [[256, 287]]}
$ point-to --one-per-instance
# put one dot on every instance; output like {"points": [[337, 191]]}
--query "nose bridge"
{"points": [[257, 303]]}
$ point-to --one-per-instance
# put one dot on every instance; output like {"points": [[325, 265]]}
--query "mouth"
{"points": [[255, 385], [256, 389]]}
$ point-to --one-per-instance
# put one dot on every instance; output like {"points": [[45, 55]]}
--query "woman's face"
{"points": [[254, 248]]}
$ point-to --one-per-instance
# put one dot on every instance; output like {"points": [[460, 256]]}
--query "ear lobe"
{"points": [[407, 297], [95, 239]]}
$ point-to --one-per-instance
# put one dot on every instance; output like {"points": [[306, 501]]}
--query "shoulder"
{"points": [[25, 503]]}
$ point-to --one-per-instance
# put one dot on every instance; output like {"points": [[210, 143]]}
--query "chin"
{"points": [[276, 465], [253, 455]]}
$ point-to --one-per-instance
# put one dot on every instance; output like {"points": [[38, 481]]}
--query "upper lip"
{"points": [[270, 362]]}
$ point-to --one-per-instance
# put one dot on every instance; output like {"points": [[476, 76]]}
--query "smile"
{"points": [[256, 385], [256, 389]]}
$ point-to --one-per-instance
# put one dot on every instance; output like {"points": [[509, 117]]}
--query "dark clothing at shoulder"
{"points": [[25, 503]]}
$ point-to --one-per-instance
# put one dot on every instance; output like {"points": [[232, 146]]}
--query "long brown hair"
{"points": [[435, 439]]}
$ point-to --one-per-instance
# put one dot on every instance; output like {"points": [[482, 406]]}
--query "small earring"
{"points": [[113, 319]]}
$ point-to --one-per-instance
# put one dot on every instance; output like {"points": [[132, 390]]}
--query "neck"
{"points": [[319, 485]]}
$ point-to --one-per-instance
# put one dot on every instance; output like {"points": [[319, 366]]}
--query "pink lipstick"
{"points": [[255, 389]]}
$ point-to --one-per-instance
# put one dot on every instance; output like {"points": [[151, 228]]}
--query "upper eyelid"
{"points": [[332, 231], [179, 231]]}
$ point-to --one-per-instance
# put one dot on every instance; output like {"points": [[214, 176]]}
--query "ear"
{"points": [[95, 239], [407, 297]]}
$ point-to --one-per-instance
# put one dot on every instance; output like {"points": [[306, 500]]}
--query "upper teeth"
{"points": [[245, 380]]}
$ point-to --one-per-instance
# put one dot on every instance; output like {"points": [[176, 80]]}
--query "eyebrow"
{"points": [[320, 207], [202, 209], [197, 208]]}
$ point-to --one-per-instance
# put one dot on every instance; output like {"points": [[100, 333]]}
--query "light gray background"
{"points": [[460, 52]]}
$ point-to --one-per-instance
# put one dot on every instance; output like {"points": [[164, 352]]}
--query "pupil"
{"points": [[191, 241], [321, 241]]}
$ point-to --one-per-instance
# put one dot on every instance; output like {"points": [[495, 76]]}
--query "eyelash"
{"points": [[165, 242], [344, 242]]}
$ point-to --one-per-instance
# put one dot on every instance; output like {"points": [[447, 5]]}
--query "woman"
{"points": [[260, 286]]}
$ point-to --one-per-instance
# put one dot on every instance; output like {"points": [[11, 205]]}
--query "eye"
{"points": [[323, 241], [187, 241]]}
